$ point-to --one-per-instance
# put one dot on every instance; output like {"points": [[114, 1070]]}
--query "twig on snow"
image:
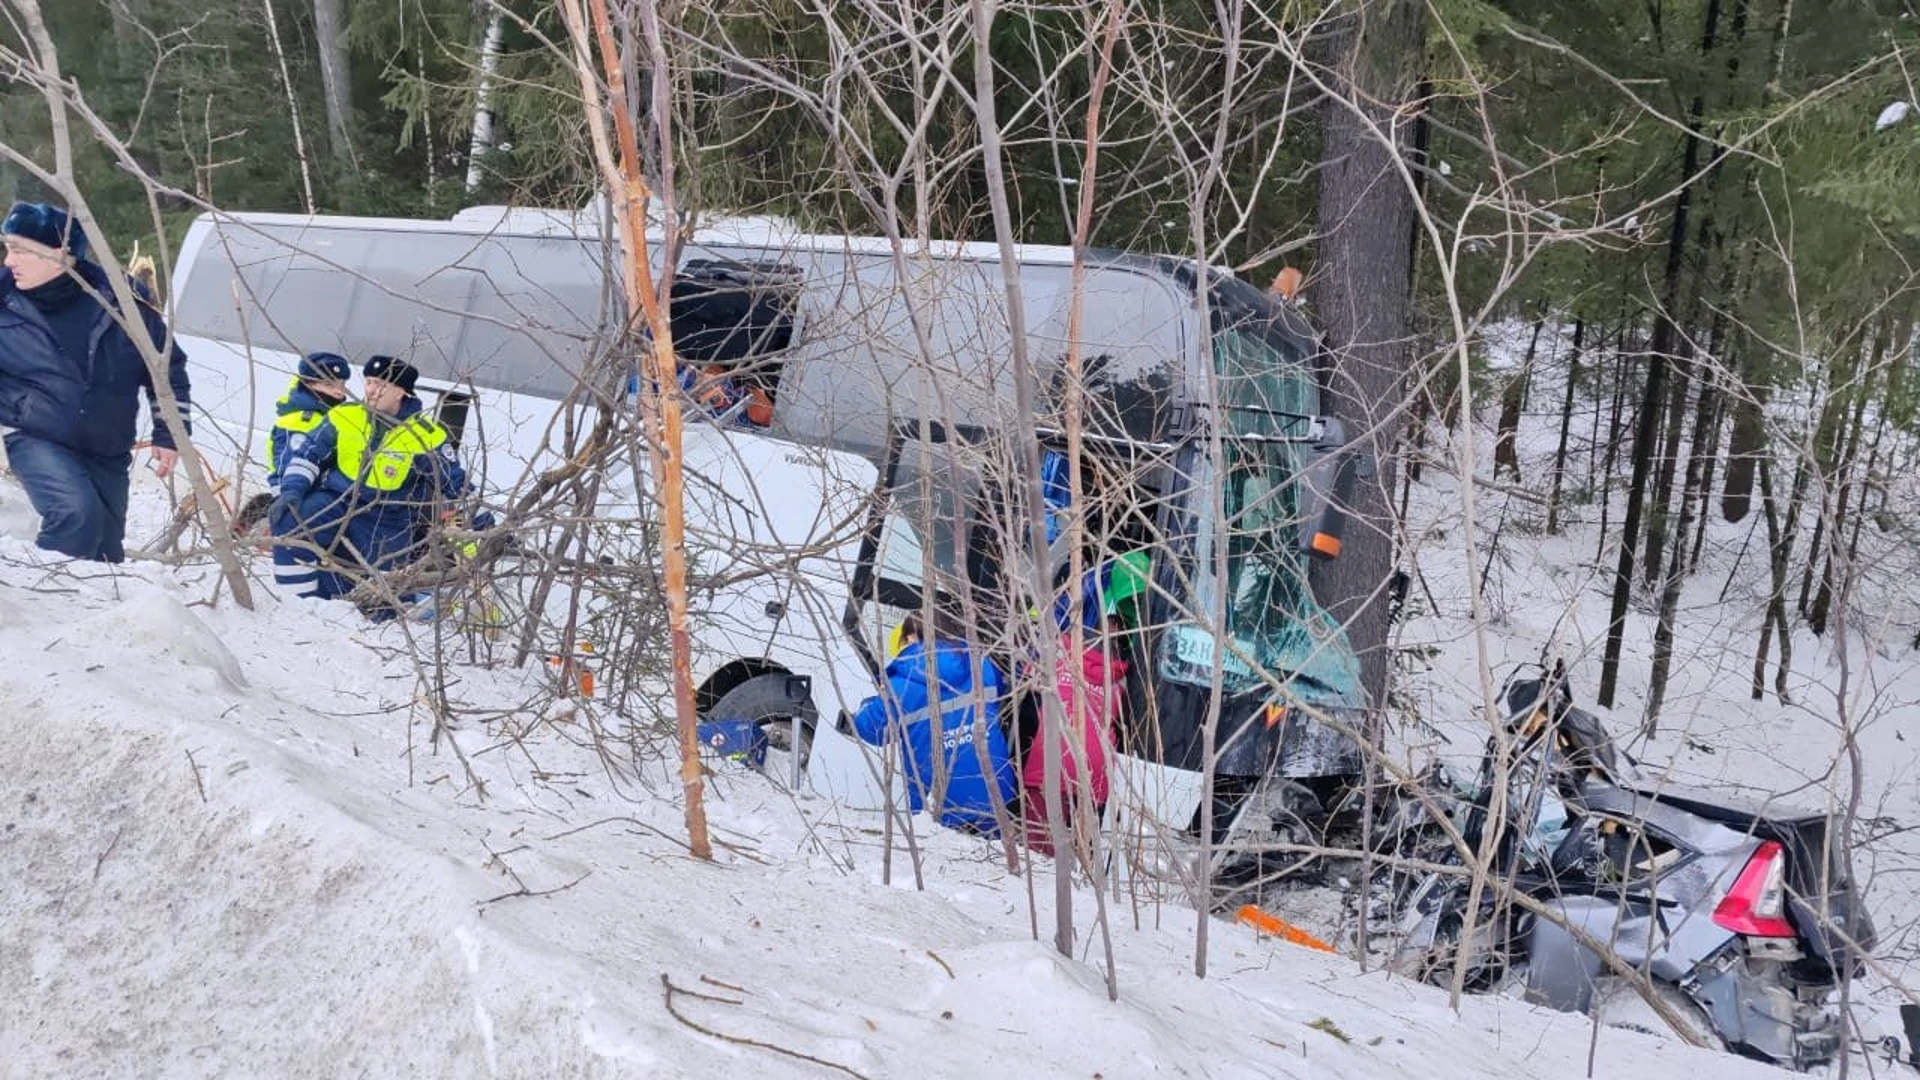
{"points": [[943, 964], [197, 781], [523, 891], [111, 844], [741, 1040]]}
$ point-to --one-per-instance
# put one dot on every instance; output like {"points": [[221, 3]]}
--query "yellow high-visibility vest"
{"points": [[299, 423], [387, 466]]}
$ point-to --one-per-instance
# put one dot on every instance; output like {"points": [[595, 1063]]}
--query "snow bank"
{"points": [[232, 848]]}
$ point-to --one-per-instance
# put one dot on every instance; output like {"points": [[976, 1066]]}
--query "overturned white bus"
{"points": [[887, 477]]}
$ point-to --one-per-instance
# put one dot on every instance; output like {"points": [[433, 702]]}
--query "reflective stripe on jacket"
{"points": [[971, 758], [298, 412]]}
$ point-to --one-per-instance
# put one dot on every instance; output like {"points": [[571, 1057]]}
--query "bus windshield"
{"points": [[1272, 621], [1268, 399], [1261, 365]]}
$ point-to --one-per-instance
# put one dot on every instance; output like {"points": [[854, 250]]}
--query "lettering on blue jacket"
{"points": [[973, 749]]}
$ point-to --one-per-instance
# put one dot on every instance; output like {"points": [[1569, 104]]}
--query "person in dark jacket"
{"points": [[70, 384], [368, 483], [972, 760]]}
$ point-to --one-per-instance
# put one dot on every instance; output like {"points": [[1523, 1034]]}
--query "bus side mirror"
{"points": [[1327, 485]]}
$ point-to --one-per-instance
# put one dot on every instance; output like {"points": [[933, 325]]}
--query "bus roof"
{"points": [[773, 233]]}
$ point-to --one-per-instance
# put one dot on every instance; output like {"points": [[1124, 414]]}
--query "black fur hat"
{"points": [[46, 225], [392, 369]]}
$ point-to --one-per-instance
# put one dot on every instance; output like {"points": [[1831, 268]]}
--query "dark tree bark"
{"points": [[1864, 487], [1676, 571], [1617, 421], [1513, 402], [1666, 337], [1566, 425], [1660, 505], [1421, 411], [1779, 547], [1714, 399], [1745, 444], [1363, 293], [1841, 483], [1821, 470]]}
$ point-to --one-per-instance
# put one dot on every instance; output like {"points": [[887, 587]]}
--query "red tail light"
{"points": [[1757, 903]]}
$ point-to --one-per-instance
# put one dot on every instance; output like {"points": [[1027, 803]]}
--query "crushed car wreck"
{"points": [[1647, 904]]}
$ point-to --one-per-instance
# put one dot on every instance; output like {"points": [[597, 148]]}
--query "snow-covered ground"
{"points": [[230, 845]]}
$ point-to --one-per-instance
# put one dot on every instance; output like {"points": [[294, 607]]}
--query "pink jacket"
{"points": [[1092, 720]]}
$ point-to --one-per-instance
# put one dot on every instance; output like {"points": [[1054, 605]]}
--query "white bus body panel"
{"points": [[787, 521], [511, 307]]}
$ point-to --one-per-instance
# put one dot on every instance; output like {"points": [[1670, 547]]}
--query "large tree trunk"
{"points": [[1513, 402], [1745, 445], [1660, 505], [481, 144], [330, 34], [1363, 293]]}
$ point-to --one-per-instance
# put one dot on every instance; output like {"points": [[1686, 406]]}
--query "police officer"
{"points": [[319, 385], [368, 482]]}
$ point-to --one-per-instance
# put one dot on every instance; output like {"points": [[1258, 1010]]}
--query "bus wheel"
{"points": [[782, 705], [251, 520]]}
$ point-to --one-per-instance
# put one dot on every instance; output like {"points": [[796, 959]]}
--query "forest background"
{"points": [[1708, 204]]}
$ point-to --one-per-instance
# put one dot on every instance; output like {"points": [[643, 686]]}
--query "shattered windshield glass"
{"points": [[1272, 618], [1268, 398]]}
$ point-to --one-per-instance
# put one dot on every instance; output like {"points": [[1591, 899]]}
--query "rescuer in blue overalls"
{"points": [[369, 482], [968, 781]]}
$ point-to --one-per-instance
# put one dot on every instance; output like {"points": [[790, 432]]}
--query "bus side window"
{"points": [[732, 322], [451, 412], [902, 558]]}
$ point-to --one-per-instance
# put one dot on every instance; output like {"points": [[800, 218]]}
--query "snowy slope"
{"points": [[230, 847]]}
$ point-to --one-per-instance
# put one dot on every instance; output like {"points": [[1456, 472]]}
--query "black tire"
{"points": [[252, 517], [764, 700]]}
